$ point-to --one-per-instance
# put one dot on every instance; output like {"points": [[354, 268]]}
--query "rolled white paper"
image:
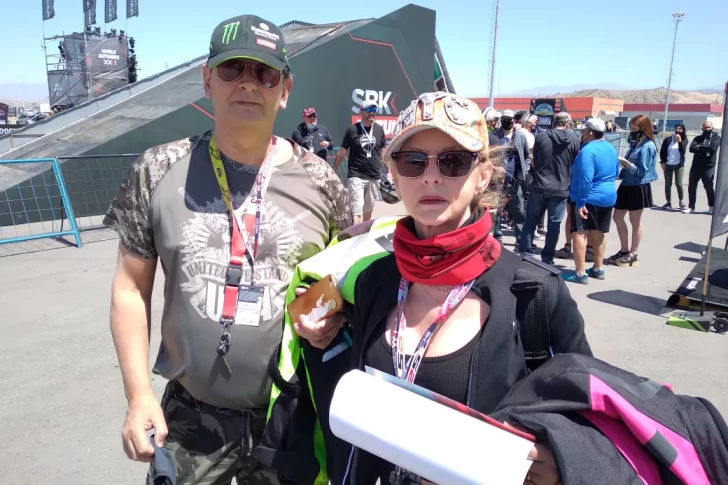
{"points": [[434, 441]]}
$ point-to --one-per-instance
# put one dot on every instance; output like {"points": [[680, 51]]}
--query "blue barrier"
{"points": [[34, 194]]}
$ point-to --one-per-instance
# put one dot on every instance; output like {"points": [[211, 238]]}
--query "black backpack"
{"points": [[532, 312]]}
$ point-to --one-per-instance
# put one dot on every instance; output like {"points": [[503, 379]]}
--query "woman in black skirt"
{"points": [[635, 192]]}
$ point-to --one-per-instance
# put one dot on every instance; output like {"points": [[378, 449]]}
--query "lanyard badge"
{"points": [[242, 303]]}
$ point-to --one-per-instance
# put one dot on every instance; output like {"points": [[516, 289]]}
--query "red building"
{"points": [[578, 107]]}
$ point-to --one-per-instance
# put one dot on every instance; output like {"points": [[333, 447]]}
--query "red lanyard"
{"points": [[243, 225], [408, 370]]}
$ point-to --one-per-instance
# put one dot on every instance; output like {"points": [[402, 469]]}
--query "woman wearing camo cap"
{"points": [[445, 295]]}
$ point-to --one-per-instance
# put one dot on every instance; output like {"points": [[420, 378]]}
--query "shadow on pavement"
{"points": [[632, 301], [691, 247], [689, 259]]}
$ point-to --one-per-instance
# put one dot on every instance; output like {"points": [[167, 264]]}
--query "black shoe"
{"points": [[667, 206]]}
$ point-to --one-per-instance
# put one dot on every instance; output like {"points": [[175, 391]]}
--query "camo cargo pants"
{"points": [[211, 445]]}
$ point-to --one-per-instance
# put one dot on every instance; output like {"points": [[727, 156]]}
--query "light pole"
{"points": [[492, 61], [677, 18]]}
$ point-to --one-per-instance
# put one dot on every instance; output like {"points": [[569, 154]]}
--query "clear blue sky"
{"points": [[541, 42]]}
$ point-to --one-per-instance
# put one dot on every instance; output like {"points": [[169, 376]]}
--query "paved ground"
{"points": [[61, 400]]}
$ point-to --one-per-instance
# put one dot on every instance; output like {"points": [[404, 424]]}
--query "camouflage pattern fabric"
{"points": [[210, 445]]}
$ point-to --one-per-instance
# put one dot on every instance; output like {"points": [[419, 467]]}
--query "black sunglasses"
{"points": [[451, 164], [233, 69]]}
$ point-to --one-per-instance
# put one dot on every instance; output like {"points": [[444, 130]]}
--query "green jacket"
{"points": [[295, 441]]}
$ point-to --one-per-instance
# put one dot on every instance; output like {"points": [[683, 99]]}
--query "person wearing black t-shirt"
{"points": [[363, 144]]}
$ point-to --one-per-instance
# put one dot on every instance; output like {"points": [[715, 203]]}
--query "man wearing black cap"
{"points": [[216, 210], [364, 143], [312, 135]]}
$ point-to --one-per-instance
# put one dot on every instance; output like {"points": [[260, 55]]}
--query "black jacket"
{"points": [[311, 140], [498, 361], [572, 401], [682, 146], [554, 151], [705, 150]]}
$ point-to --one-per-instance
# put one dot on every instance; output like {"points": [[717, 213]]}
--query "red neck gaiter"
{"points": [[452, 258]]}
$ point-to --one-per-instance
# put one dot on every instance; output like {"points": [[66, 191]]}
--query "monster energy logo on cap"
{"points": [[248, 37], [230, 32]]}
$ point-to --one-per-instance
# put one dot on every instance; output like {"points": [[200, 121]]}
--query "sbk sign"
{"points": [[384, 100]]}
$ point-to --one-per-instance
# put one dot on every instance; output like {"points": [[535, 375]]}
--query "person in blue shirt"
{"points": [[635, 191], [593, 192]]}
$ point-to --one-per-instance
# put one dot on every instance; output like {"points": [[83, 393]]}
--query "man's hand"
{"points": [[584, 212], [144, 413], [319, 334], [324, 144], [663, 165]]}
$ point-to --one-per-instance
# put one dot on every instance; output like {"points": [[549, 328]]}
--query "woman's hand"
{"points": [[319, 334], [543, 470]]}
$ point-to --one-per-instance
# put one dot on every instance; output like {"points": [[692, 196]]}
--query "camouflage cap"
{"points": [[457, 117]]}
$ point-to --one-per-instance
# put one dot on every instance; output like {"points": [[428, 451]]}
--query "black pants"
{"points": [[678, 175], [706, 175]]}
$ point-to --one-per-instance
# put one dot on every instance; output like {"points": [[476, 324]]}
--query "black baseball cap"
{"points": [[248, 37]]}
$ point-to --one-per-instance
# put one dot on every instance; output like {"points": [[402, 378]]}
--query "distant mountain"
{"points": [[554, 88], [656, 95], [17, 94], [709, 91]]}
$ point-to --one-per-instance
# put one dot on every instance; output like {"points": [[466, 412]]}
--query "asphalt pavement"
{"points": [[61, 399]]}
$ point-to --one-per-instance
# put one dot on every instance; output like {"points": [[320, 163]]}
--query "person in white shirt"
{"points": [[672, 161], [528, 124]]}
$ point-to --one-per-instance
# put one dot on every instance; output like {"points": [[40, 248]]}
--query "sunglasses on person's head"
{"points": [[371, 109], [233, 69], [453, 164]]}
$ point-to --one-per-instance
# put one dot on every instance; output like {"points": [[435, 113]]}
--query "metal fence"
{"points": [[57, 197], [93, 182], [38, 204]]}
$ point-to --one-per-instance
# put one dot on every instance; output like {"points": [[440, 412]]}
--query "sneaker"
{"points": [[689, 210], [628, 259], [614, 257], [597, 274], [572, 277], [667, 206], [539, 235], [682, 206], [565, 252]]}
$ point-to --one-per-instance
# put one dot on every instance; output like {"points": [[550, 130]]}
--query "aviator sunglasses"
{"points": [[233, 69], [451, 164]]}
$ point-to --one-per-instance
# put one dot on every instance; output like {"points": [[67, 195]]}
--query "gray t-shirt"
{"points": [[170, 207]]}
